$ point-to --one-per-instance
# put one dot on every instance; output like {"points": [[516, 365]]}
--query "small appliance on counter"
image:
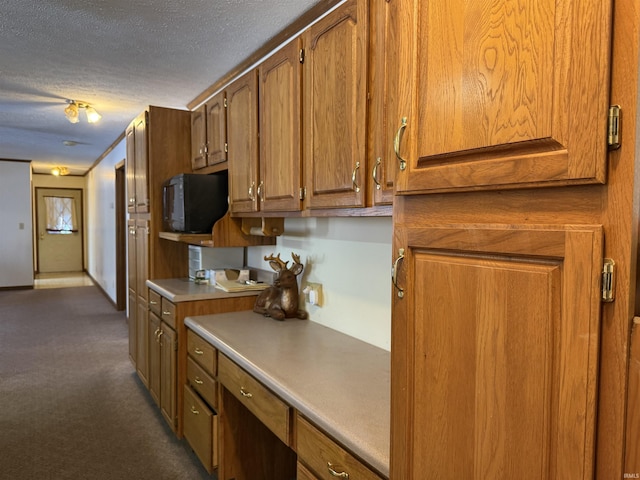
{"points": [[214, 258]]}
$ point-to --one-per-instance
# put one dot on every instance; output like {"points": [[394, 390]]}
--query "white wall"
{"points": [[16, 247], [351, 258], [101, 224]]}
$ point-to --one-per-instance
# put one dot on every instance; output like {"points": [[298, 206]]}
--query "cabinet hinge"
{"points": [[303, 193], [302, 55], [608, 280], [613, 127]]}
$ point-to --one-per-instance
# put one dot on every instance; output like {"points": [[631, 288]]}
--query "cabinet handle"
{"points": [[198, 351], [198, 381], [261, 191], [153, 302], [205, 148], [394, 272], [356, 188], [335, 473], [164, 312], [194, 411], [160, 333], [245, 394], [375, 173], [398, 140], [251, 195]]}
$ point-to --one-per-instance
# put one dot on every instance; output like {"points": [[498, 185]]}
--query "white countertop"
{"points": [[340, 383], [185, 290]]}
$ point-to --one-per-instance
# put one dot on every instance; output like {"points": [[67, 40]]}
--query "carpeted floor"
{"points": [[71, 406]]}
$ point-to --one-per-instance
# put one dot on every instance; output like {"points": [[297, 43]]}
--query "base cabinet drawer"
{"points": [[303, 474], [267, 407], [202, 382], [202, 352], [200, 429], [326, 459]]}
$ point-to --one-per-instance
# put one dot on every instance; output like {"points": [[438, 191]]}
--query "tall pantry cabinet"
{"points": [[158, 147], [506, 360]]}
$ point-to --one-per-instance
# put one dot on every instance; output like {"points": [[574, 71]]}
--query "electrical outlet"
{"points": [[313, 294]]}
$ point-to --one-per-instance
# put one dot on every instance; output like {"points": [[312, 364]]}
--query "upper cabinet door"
{"points": [[335, 94], [280, 149], [141, 163], [495, 348], [506, 94], [242, 131], [131, 168], [216, 130], [198, 138]]}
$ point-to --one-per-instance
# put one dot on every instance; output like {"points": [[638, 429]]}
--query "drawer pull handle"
{"points": [[198, 381], [153, 302], [198, 351], [164, 312], [245, 394], [334, 473], [194, 411]]}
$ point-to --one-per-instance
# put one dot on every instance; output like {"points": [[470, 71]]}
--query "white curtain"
{"points": [[61, 214]]}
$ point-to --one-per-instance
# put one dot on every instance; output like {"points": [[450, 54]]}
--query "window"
{"points": [[61, 215]]}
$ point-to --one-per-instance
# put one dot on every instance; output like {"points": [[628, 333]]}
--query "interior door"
{"points": [[59, 247]]}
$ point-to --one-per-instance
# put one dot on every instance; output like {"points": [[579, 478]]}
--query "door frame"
{"points": [[121, 236]]}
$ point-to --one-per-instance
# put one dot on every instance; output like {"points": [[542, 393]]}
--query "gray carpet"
{"points": [[71, 406]]}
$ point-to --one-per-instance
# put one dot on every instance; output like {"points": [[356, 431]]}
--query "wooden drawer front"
{"points": [[322, 455], [202, 382], [169, 313], [200, 429], [202, 352], [154, 302], [304, 474], [270, 410]]}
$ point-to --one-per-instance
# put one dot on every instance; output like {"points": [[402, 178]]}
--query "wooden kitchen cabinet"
{"points": [[500, 345], [209, 133], [157, 145], [386, 98], [137, 165], [242, 138], [280, 130], [335, 108], [518, 101], [507, 371], [201, 429], [324, 457]]}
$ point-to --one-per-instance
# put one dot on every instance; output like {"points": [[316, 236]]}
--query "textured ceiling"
{"points": [[119, 56]]}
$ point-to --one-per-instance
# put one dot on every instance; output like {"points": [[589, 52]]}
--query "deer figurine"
{"points": [[280, 300]]}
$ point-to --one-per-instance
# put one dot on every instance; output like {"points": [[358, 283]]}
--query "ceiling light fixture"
{"points": [[72, 112], [57, 171]]}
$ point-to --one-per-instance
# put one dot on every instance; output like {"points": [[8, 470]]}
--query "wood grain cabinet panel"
{"points": [[280, 128], [202, 383], [334, 107], [518, 102], [209, 133], [242, 137], [324, 457], [267, 407], [200, 429], [202, 352], [499, 381]]}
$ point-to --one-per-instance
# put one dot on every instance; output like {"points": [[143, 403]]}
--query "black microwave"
{"points": [[192, 203]]}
